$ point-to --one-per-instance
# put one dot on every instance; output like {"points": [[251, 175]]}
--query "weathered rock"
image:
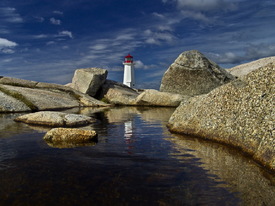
{"points": [[240, 113], [55, 119], [118, 94], [10, 104], [17, 82], [23, 95], [244, 69], [70, 135], [89, 80], [193, 74], [151, 97], [44, 99]]}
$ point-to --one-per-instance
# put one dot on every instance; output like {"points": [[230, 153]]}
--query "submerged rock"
{"points": [[240, 113], [65, 136], [55, 119], [193, 74]]}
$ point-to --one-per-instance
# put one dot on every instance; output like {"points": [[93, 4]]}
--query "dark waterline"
{"points": [[135, 162]]}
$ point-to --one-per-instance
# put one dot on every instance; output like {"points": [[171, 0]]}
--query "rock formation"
{"points": [[55, 119], [119, 94], [193, 74], [19, 95], [240, 113], [88, 81]]}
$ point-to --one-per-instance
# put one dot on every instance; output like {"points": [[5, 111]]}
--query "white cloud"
{"points": [[6, 43], [251, 52], [50, 42], [58, 12], [40, 36], [65, 33], [204, 11], [4, 31], [55, 21], [203, 5], [99, 47], [39, 18], [196, 15], [6, 46], [158, 37], [140, 65], [10, 15]]}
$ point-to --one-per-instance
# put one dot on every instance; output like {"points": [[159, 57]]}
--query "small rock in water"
{"points": [[70, 135], [55, 119]]}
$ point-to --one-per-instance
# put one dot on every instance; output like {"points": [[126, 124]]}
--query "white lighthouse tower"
{"points": [[129, 73]]}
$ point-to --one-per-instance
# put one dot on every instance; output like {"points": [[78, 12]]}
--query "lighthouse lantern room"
{"points": [[129, 74]]}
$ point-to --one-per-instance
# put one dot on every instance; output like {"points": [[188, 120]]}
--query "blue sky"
{"points": [[46, 40]]}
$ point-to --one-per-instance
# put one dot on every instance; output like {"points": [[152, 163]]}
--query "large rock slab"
{"points": [[19, 95], [244, 69], [68, 137], [193, 74], [89, 80], [117, 93], [240, 113], [55, 119], [44, 99], [10, 104], [151, 97]]}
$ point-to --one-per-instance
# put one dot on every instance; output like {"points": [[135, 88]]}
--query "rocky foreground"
{"points": [[234, 106], [240, 113]]}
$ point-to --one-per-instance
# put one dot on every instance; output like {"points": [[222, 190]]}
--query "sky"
{"points": [[46, 40]]}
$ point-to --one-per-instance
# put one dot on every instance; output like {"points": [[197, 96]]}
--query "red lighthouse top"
{"points": [[128, 59]]}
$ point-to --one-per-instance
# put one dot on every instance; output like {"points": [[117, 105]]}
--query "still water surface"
{"points": [[135, 162]]}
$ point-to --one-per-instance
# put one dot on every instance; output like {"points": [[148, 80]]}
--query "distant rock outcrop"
{"points": [[193, 74], [89, 80], [55, 119], [19, 95], [151, 97], [240, 113], [120, 94], [244, 69]]}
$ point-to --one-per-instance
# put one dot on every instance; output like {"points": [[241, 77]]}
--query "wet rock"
{"points": [[193, 74], [240, 113], [55, 119], [89, 80], [62, 136]]}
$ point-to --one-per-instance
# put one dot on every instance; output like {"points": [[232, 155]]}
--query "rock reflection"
{"points": [[62, 145], [8, 127], [227, 165], [122, 114]]}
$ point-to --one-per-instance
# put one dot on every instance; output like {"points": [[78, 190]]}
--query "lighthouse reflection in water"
{"points": [[128, 130]]}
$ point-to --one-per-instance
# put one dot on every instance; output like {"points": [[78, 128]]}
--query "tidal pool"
{"points": [[136, 161]]}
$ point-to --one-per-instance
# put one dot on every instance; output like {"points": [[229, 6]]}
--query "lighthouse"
{"points": [[129, 73]]}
